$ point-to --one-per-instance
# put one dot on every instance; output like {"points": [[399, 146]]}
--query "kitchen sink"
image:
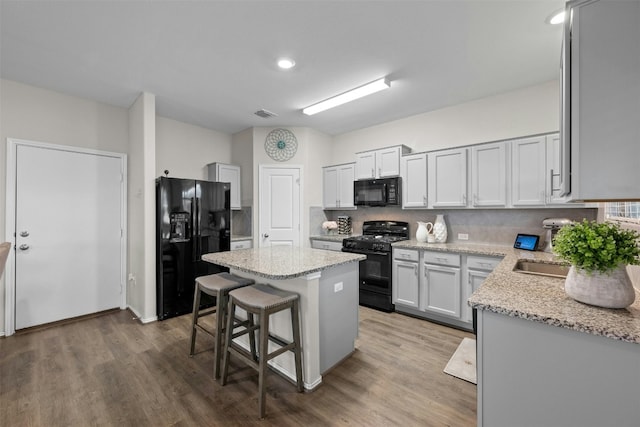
{"points": [[541, 269]]}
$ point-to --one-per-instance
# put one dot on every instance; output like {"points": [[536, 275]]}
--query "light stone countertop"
{"points": [[538, 298], [281, 262]]}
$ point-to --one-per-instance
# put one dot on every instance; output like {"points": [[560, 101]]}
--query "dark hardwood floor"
{"points": [[112, 371]]}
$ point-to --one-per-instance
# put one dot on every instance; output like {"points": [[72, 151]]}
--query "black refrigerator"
{"points": [[192, 219]]}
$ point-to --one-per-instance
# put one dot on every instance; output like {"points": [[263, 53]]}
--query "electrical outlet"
{"points": [[463, 236], [337, 287]]}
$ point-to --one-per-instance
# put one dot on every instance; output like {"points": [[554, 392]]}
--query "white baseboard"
{"points": [[140, 318]]}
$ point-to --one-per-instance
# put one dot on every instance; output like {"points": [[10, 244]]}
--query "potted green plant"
{"points": [[599, 254]]}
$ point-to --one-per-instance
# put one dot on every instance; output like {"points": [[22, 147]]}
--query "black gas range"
{"points": [[375, 271]]}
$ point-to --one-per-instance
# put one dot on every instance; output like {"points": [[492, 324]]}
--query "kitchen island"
{"points": [[544, 359], [327, 283]]}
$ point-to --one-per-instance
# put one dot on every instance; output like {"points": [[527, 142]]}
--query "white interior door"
{"points": [[280, 205], [68, 227]]}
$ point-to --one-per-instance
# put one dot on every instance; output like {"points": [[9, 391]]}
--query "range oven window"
{"points": [[375, 272]]}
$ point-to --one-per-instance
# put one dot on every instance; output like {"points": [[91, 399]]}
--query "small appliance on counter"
{"points": [[552, 225]]}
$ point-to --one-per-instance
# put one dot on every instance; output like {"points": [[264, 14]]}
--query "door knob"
{"points": [[265, 235], [24, 247], [24, 234]]}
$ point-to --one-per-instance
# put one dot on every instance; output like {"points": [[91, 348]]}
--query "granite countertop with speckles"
{"points": [[538, 298], [281, 262]]}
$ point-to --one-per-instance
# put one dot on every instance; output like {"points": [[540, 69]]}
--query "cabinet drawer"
{"points": [[406, 254], [482, 263], [241, 244], [442, 258], [323, 244]]}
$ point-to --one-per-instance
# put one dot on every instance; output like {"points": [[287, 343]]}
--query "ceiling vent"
{"points": [[265, 114]]}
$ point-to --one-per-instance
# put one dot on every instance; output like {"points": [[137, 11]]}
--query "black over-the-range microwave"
{"points": [[377, 192]]}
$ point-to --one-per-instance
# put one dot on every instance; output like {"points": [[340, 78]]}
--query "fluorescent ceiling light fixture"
{"points": [[556, 17], [286, 63], [349, 96]]}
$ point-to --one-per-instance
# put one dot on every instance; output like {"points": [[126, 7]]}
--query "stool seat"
{"points": [[262, 296], [216, 285], [262, 300]]}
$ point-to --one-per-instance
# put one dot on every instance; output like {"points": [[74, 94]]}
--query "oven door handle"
{"points": [[365, 252]]}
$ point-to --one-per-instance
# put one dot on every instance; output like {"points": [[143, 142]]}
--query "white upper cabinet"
{"points": [[338, 186], [601, 100], [447, 173], [488, 175], [554, 166], [528, 171], [221, 172], [382, 163], [413, 170]]}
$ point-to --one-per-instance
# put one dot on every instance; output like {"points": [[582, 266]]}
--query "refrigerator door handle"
{"points": [[198, 231], [194, 231]]}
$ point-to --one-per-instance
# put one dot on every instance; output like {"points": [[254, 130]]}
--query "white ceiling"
{"points": [[212, 63]]}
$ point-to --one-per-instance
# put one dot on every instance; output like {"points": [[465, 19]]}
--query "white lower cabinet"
{"points": [[406, 278], [436, 285], [441, 284], [477, 269]]}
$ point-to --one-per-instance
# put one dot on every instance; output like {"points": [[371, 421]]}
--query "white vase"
{"points": [[610, 290], [440, 229], [424, 228]]}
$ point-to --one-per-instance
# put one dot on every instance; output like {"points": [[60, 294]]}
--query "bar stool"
{"points": [[262, 300], [218, 286]]}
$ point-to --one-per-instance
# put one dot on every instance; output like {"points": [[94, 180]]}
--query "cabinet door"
{"points": [[414, 181], [553, 186], [405, 283], [388, 162], [488, 174], [604, 101], [230, 174], [366, 165], [345, 185], [474, 280], [528, 171], [442, 290], [448, 178], [330, 187]]}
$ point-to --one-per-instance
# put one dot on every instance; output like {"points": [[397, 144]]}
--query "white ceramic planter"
{"points": [[609, 290]]}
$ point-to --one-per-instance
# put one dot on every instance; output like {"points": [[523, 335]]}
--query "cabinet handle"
{"points": [[415, 270], [424, 199], [464, 199], [373, 173], [379, 171]]}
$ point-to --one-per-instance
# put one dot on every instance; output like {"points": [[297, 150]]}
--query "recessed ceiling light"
{"points": [[556, 17], [286, 63]]}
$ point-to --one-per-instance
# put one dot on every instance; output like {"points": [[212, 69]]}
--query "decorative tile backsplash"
{"points": [[496, 226]]}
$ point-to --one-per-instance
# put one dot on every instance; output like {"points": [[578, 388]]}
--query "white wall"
{"points": [[314, 151], [141, 291], [528, 111], [185, 150], [35, 114]]}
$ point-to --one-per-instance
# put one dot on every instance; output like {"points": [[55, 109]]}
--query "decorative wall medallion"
{"points": [[281, 144]]}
